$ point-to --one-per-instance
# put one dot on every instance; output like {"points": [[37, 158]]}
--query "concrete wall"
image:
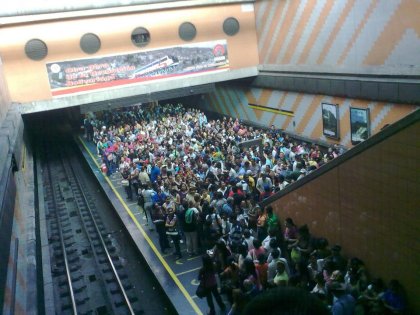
{"points": [[4, 94], [346, 36], [233, 100], [28, 79], [369, 205], [20, 290]]}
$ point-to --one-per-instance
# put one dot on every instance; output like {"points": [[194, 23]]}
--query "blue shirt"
{"points": [[344, 305], [154, 173], [159, 198]]}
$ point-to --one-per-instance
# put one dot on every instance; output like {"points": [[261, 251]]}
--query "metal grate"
{"points": [[36, 49], [187, 31], [231, 26], [90, 43]]}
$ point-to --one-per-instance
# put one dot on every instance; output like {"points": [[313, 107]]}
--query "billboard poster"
{"points": [[75, 76], [359, 124], [330, 120]]}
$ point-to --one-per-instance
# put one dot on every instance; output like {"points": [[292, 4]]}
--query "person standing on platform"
{"points": [[190, 228], [148, 194], [159, 220], [207, 277], [172, 231]]}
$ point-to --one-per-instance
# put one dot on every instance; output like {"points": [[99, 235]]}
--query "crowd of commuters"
{"points": [[197, 185]]}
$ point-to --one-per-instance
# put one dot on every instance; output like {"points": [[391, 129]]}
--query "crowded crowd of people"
{"points": [[197, 184]]}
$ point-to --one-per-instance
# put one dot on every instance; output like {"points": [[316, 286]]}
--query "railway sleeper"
{"points": [[89, 224], [69, 243], [114, 288], [67, 231], [70, 251], [62, 281], [74, 267], [63, 291], [127, 284], [79, 288], [54, 237], [82, 300], [59, 263], [132, 297], [58, 271], [110, 278], [65, 219], [65, 304], [67, 237], [106, 269], [73, 259], [112, 249], [56, 246], [65, 225], [118, 300], [118, 265], [103, 260], [122, 275], [100, 226], [94, 237]]}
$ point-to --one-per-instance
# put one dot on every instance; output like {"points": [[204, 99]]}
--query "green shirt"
{"points": [[272, 222]]}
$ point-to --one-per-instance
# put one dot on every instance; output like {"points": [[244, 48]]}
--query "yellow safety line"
{"points": [[276, 111], [147, 238], [23, 157]]}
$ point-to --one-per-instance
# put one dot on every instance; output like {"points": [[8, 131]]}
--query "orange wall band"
{"points": [[28, 81]]}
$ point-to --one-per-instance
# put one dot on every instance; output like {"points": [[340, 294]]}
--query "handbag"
{"points": [[125, 183], [201, 291]]}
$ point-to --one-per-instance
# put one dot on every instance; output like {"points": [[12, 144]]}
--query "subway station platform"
{"points": [[178, 278]]}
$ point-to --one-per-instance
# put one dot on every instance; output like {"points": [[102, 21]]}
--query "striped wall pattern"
{"points": [[307, 121], [362, 36]]}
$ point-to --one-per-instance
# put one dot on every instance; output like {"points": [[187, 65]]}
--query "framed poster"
{"points": [[359, 124], [330, 120]]}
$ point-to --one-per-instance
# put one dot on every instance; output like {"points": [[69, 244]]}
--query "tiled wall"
{"points": [[307, 120], [352, 36], [369, 205]]}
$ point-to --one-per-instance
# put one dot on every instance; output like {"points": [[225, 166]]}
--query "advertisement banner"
{"points": [[75, 76]]}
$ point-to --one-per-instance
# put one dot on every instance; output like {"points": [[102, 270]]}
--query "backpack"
{"points": [[189, 216]]}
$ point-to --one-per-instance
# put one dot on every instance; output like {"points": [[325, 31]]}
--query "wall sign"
{"points": [[330, 120], [359, 124]]}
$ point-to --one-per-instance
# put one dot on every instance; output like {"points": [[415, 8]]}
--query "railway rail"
{"points": [[88, 273]]}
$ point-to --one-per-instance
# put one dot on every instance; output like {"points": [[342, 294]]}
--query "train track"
{"points": [[88, 274]]}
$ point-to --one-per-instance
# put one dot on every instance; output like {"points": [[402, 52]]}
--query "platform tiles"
{"points": [[178, 278]]}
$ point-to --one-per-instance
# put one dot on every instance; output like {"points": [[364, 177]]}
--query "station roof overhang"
{"points": [[139, 93]]}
